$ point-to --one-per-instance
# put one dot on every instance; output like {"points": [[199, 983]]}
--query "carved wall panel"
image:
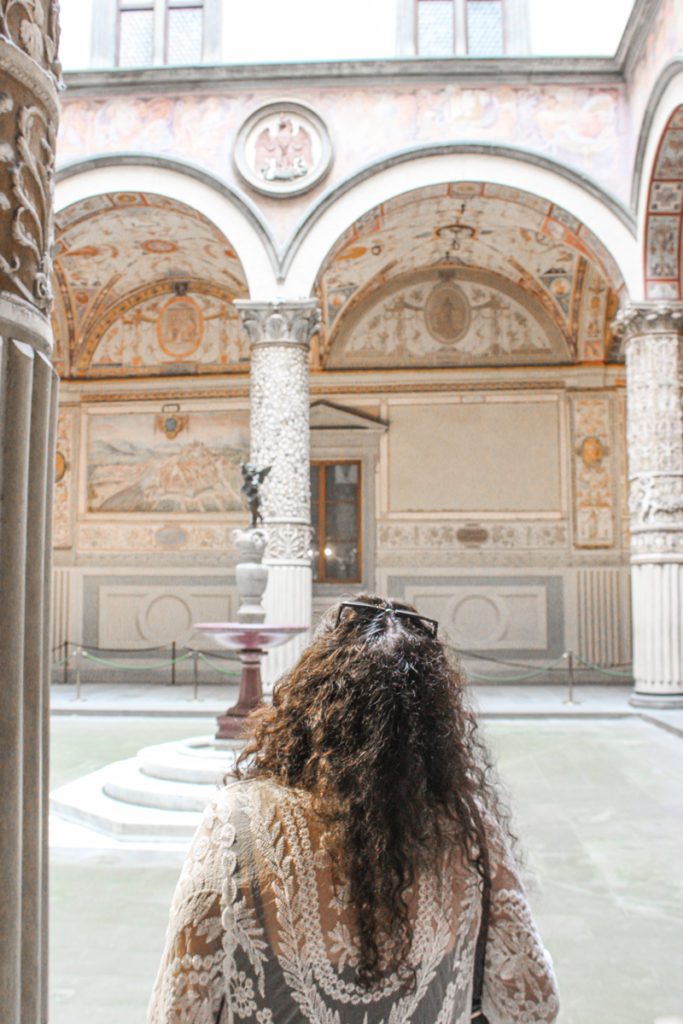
{"points": [[140, 615], [491, 613]]}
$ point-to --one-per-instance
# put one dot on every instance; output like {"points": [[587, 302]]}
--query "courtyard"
{"points": [[597, 802]]}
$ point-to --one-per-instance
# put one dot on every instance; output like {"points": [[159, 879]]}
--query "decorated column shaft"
{"points": [[653, 337], [29, 79], [280, 335]]}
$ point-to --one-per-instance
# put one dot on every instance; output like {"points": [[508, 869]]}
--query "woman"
{"points": [[340, 880]]}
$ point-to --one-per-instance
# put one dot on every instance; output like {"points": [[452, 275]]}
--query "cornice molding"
{"points": [[398, 70]]}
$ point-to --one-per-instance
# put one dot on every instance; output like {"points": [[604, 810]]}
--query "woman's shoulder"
{"points": [[238, 791]]}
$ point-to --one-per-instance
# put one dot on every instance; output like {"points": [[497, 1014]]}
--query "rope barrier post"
{"points": [[65, 672], [79, 667], [569, 656], [173, 663], [195, 670]]}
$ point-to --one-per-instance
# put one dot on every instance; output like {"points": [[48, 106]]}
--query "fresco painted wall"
{"points": [[165, 463], [582, 126]]}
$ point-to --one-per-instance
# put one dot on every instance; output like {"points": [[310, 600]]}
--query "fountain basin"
{"points": [[248, 636]]}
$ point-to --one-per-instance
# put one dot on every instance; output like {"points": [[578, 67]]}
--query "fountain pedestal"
{"points": [[251, 640]]}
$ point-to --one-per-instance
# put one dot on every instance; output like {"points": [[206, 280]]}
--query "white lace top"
{"points": [[258, 933]]}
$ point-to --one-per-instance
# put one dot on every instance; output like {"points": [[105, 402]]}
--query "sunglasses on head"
{"points": [[373, 611]]}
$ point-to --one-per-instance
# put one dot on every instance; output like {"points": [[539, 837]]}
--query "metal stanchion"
{"points": [[173, 663], [79, 666], [65, 673], [569, 656], [195, 670]]}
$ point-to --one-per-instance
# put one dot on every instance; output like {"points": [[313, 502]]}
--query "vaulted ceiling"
{"points": [[143, 284], [547, 270]]}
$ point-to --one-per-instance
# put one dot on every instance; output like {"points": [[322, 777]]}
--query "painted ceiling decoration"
{"points": [[548, 271], [663, 271], [448, 317], [144, 285]]}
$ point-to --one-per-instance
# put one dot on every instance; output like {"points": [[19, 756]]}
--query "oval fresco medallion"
{"points": [[447, 313], [60, 466], [180, 327]]}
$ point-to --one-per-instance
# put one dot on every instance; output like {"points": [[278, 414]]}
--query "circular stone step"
{"points": [[200, 760], [125, 782]]}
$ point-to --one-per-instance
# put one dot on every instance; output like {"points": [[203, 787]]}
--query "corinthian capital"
{"points": [[642, 318], [280, 323]]}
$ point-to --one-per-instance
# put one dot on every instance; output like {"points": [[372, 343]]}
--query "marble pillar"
{"points": [[653, 342], [29, 80], [279, 335]]}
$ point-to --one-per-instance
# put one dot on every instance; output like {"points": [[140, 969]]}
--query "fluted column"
{"points": [[29, 79], [280, 335], [653, 340]]}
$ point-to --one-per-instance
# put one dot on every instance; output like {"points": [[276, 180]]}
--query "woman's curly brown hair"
{"points": [[373, 721]]}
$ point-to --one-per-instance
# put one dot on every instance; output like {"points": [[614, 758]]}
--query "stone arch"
{"points": [[233, 214], [145, 285], [659, 185], [609, 221], [515, 278]]}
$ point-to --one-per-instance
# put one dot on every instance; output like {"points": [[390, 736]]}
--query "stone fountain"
{"points": [[159, 795], [249, 636]]}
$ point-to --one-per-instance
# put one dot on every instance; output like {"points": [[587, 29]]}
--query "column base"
{"points": [[656, 700]]}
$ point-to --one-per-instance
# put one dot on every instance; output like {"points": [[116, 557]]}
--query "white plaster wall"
{"points": [[266, 31], [485, 456], [75, 19], [582, 27]]}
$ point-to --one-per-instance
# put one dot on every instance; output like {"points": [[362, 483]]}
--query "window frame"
{"points": [[160, 28], [123, 6], [460, 42], [321, 464], [503, 20], [170, 5], [453, 5]]}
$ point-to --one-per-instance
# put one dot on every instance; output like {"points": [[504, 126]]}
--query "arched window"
{"points": [[154, 32], [474, 28]]}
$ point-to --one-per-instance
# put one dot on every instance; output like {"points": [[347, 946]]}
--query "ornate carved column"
{"points": [[653, 338], [280, 334], [29, 80]]}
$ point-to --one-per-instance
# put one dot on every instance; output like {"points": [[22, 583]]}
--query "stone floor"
{"points": [[598, 802]]}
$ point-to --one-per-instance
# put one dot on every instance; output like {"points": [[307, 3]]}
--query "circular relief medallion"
{"points": [[60, 466], [283, 149], [180, 327], [447, 313]]}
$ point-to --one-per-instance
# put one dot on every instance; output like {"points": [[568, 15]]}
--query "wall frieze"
{"points": [[468, 535]]}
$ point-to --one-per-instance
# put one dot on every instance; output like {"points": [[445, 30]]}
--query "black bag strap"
{"points": [[480, 950]]}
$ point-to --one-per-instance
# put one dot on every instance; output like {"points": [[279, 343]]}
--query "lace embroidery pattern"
{"points": [[219, 959]]}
